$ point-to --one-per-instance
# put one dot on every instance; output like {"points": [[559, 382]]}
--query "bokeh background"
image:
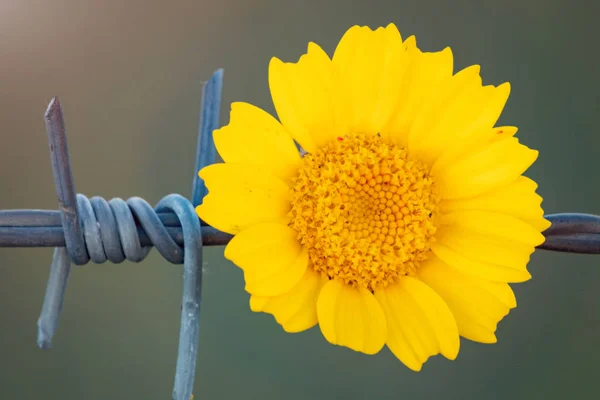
{"points": [[129, 74]]}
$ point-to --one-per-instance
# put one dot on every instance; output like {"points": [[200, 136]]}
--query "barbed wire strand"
{"points": [[43, 228], [569, 233]]}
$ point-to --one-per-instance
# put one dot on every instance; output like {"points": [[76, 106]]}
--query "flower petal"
{"points": [[478, 305], [241, 196], [296, 310], [305, 99], [253, 137], [424, 74], [476, 142], [270, 255], [492, 249], [496, 165], [420, 324], [462, 84], [517, 199], [468, 113], [370, 66], [491, 224], [467, 262], [351, 317]]}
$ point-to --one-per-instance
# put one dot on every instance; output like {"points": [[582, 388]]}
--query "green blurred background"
{"points": [[129, 74]]}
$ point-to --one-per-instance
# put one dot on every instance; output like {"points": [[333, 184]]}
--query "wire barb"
{"points": [[97, 230], [209, 121], [53, 300], [63, 180]]}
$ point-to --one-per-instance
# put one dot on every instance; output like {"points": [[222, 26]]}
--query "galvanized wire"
{"points": [[569, 233], [97, 230], [42, 228]]}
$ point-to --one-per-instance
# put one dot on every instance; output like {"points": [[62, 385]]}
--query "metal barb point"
{"points": [[63, 180], [206, 151]]}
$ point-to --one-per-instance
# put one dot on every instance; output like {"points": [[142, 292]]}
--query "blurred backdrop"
{"points": [[129, 75]]}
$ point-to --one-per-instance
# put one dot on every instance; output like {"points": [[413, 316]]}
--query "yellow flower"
{"points": [[406, 217]]}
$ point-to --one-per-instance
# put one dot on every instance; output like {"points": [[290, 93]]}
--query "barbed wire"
{"points": [[96, 230], [569, 233]]}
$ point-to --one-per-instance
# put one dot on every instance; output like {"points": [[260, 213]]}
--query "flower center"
{"points": [[364, 210]]}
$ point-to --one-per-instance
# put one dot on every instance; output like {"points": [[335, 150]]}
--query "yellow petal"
{"points": [[258, 303], [271, 257], [279, 281], [493, 249], [503, 132], [296, 310], [467, 116], [419, 323], [478, 305], [253, 137], [370, 66], [241, 196], [490, 224], [466, 262], [496, 165], [305, 98], [424, 74], [517, 199], [351, 317], [464, 82], [470, 145]]}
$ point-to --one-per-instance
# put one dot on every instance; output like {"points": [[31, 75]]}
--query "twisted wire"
{"points": [[110, 231], [98, 230]]}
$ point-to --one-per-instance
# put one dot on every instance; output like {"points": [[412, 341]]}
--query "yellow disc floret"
{"points": [[364, 210]]}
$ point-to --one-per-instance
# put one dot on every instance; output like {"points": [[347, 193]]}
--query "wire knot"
{"points": [[110, 231]]}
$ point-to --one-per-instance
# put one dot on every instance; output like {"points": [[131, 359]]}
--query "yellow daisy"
{"points": [[405, 217]]}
